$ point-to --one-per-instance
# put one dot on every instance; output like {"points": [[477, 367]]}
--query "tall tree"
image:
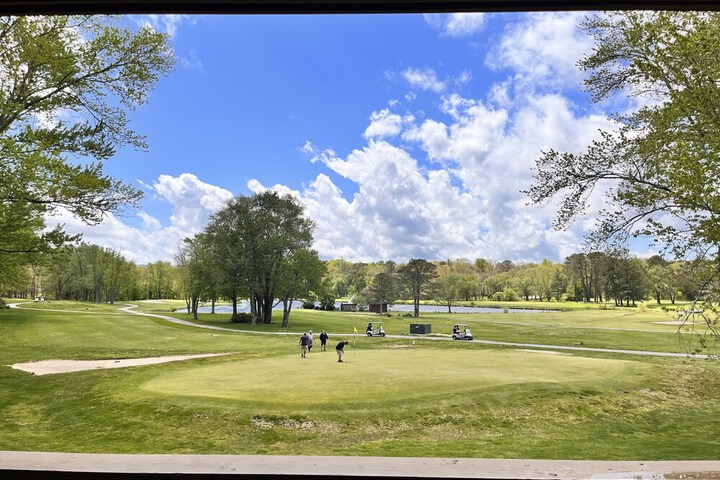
{"points": [[416, 275], [446, 286], [660, 166], [300, 276], [67, 84], [252, 239]]}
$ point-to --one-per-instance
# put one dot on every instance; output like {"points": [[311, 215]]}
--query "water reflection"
{"points": [[244, 306]]}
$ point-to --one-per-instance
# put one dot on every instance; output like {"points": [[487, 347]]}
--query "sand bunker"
{"points": [[48, 367]]}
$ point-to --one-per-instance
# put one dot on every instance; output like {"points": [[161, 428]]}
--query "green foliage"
{"points": [[261, 245], [510, 295], [327, 303], [67, 85], [663, 161], [417, 276]]}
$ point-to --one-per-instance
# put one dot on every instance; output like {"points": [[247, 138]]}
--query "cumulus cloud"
{"points": [[543, 50], [457, 24], [469, 203], [383, 124], [192, 201]]}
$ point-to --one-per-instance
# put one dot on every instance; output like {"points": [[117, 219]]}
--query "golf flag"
{"points": [[355, 328]]}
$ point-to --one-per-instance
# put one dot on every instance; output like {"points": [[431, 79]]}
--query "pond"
{"points": [[244, 306]]}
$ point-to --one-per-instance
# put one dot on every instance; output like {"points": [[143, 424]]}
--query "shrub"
{"points": [[642, 307], [308, 305], [510, 295], [241, 318], [327, 303]]}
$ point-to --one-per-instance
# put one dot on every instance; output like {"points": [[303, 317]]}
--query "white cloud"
{"points": [[543, 50], [424, 79], [457, 24], [471, 206], [149, 221], [167, 23], [192, 202], [383, 124], [192, 199]]}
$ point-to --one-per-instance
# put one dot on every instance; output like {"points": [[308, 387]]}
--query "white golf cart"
{"points": [[461, 332], [375, 330]]}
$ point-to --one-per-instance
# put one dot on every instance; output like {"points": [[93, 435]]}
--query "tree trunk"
{"points": [[287, 306], [267, 309], [213, 306]]}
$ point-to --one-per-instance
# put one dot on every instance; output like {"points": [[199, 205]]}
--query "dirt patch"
{"points": [[549, 352], [49, 367]]}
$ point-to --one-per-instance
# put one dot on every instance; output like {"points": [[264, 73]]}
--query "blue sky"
{"points": [[403, 135]]}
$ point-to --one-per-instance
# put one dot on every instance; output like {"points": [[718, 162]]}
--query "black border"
{"points": [[21, 7]]}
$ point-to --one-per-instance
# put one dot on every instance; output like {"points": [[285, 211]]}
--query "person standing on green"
{"points": [[323, 340], [339, 349]]}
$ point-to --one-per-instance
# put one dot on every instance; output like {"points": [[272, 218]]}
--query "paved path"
{"points": [[130, 309], [308, 467]]}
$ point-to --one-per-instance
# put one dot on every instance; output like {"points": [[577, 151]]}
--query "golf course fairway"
{"points": [[385, 376]]}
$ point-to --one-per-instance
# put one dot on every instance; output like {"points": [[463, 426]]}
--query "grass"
{"points": [[393, 398], [607, 329]]}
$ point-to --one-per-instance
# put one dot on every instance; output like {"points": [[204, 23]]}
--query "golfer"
{"points": [[303, 345], [339, 349], [311, 339], [323, 340]]}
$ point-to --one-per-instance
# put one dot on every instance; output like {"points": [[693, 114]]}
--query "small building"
{"points": [[348, 307], [378, 307]]}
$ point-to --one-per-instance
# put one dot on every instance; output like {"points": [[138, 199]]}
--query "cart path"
{"points": [[129, 309]]}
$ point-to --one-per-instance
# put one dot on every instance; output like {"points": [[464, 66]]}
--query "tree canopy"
{"points": [[66, 86], [660, 166]]}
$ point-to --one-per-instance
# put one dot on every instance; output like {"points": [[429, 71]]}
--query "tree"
{"points": [[660, 165], [300, 276], [446, 286], [158, 280], [252, 240], [416, 275], [66, 88], [384, 286]]}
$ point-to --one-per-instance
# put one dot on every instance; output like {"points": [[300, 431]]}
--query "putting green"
{"points": [[383, 375]]}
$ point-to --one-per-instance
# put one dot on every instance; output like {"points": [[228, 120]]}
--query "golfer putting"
{"points": [[339, 348]]}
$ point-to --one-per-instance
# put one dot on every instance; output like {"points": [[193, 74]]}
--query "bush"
{"points": [[327, 303], [241, 318], [642, 307], [308, 305], [510, 295]]}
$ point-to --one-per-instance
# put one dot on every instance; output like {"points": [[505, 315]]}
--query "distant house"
{"points": [[378, 307], [348, 307]]}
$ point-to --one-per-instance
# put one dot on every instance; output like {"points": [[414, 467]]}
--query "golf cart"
{"points": [[461, 332], [375, 330]]}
